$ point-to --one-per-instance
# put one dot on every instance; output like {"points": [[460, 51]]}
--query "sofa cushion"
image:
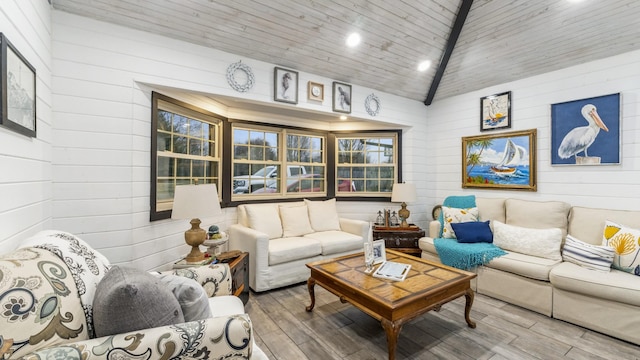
{"points": [[589, 256], [587, 223], [625, 242], [538, 214], [543, 243], [129, 299], [456, 215], [295, 220], [473, 232], [191, 296], [456, 201], [265, 218], [289, 249], [335, 242], [533, 267], [615, 285], [323, 215], [491, 209]]}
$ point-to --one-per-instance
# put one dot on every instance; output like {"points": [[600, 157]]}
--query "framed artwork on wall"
{"points": [[495, 111], [17, 90], [315, 91], [500, 161], [586, 131], [341, 97], [285, 85]]}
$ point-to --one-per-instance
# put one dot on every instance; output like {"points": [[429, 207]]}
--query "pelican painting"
{"points": [[586, 132], [580, 138]]}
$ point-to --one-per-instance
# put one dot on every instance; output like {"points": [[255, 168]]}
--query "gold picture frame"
{"points": [[315, 91], [500, 161]]}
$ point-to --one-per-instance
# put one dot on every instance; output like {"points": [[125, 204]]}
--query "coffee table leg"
{"points": [[311, 283], [392, 330], [467, 308]]}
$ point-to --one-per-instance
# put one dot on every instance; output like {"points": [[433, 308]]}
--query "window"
{"points": [[265, 165], [367, 164], [186, 147]]}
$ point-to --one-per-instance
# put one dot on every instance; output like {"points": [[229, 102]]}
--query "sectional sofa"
{"points": [[607, 302], [282, 237]]}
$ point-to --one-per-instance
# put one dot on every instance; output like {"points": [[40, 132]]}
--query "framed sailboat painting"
{"points": [[500, 161]]}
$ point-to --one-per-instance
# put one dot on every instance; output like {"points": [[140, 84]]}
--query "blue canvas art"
{"points": [[586, 132]]}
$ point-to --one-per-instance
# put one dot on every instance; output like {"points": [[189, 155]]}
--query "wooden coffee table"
{"points": [[428, 286]]}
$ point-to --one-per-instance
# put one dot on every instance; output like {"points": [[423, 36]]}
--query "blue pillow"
{"points": [[473, 232]]}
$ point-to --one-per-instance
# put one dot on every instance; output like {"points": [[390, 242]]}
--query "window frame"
{"points": [[192, 112]]}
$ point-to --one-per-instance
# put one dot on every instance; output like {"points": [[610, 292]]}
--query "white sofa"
{"points": [[607, 302], [282, 237]]}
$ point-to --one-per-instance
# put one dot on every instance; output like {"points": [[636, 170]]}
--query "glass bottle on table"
{"points": [[368, 250]]}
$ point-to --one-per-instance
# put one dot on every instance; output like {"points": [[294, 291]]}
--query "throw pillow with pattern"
{"points": [[455, 215], [625, 242]]}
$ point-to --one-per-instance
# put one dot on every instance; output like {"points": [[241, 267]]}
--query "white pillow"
{"points": [[323, 215], [295, 221], [266, 219], [544, 243], [624, 240], [455, 215]]}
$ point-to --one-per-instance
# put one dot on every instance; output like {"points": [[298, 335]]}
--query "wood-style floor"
{"points": [[285, 331]]}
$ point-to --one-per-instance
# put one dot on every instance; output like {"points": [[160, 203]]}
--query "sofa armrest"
{"points": [[218, 337], [254, 242], [356, 227], [215, 278], [434, 229]]}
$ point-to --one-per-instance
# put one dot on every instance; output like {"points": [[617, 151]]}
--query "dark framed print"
{"points": [[586, 131], [315, 91], [500, 161], [341, 97], [285, 85], [495, 112], [17, 90]]}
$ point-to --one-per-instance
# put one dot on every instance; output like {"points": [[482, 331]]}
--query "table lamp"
{"points": [[191, 202], [403, 193]]}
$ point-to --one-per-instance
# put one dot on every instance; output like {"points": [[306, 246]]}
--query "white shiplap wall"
{"points": [[25, 178], [606, 186], [102, 94]]}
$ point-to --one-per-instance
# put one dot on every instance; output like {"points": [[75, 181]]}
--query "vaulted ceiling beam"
{"points": [[451, 44]]}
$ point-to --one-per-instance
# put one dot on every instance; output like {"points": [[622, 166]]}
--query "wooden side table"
{"points": [[239, 267], [403, 240]]}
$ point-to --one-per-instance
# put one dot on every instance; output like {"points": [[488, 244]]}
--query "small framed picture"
{"points": [[379, 255], [17, 90], [315, 91], [285, 85], [495, 112], [341, 97]]}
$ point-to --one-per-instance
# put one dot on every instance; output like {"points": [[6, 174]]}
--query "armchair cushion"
{"points": [[191, 296], [128, 299]]}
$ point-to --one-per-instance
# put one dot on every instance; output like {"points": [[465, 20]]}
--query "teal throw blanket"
{"points": [[465, 256]]}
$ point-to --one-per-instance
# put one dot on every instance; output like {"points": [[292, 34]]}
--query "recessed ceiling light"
{"points": [[343, 117], [353, 39], [423, 66]]}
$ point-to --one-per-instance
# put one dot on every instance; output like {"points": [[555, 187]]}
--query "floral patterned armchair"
{"points": [[46, 295]]}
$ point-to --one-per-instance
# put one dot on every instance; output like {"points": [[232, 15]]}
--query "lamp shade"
{"points": [[195, 201], [403, 193]]}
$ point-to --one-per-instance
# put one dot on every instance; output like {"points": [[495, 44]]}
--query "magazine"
{"points": [[392, 270]]}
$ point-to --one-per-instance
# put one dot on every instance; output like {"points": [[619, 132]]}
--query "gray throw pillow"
{"points": [[128, 299], [191, 296]]}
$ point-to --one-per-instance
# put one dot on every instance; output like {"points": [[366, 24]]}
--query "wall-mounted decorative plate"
{"points": [[315, 91]]}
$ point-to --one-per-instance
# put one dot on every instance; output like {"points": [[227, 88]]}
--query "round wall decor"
{"points": [[372, 104], [231, 76]]}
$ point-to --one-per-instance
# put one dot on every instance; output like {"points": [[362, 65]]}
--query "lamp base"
{"points": [[194, 237], [404, 215]]}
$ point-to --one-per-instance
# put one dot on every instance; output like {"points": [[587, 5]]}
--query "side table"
{"points": [[239, 267], [403, 240]]}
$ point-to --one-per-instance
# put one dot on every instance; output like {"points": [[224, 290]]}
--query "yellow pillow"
{"points": [[625, 244]]}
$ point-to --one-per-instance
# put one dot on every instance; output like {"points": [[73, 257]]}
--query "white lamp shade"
{"points": [[403, 193], [195, 201]]}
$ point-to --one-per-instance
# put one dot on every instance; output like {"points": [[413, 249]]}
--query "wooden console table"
{"points": [[399, 239]]}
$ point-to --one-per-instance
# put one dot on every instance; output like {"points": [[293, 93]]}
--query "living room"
{"points": [[87, 170]]}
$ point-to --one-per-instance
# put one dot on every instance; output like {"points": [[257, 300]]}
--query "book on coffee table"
{"points": [[392, 271]]}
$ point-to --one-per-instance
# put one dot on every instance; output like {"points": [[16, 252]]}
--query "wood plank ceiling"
{"points": [[501, 40]]}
